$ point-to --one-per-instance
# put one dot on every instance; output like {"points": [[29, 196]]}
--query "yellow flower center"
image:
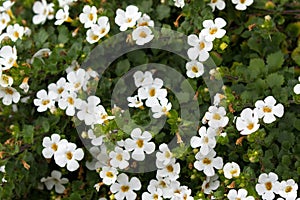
{"points": [[16, 34], [152, 92], [216, 116], [60, 90], [234, 171], [91, 16], [54, 147], [195, 69], [45, 102], [119, 157], [202, 45], [125, 188], [129, 20], [214, 1], [109, 174], [155, 196], [102, 30], [206, 140], [140, 143], [268, 185], [170, 168], [167, 154], [206, 161], [143, 24], [212, 31], [250, 126], [267, 109], [95, 37], [242, 1], [70, 100], [69, 155], [77, 85], [163, 184], [288, 189], [143, 34]]}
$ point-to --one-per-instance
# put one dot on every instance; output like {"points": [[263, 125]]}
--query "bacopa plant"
{"points": [[149, 99]]}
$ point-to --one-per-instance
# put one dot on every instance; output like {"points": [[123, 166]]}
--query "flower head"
{"points": [[297, 87], [142, 35], [51, 145], [43, 11], [8, 57], [216, 117], [206, 141], [119, 158], [231, 170], [9, 95], [127, 19], [213, 29], [240, 194], [109, 175], [56, 181], [247, 123], [62, 15], [44, 100], [88, 17], [207, 163], [242, 4], [288, 189], [267, 185], [200, 47], [220, 4], [194, 69]]}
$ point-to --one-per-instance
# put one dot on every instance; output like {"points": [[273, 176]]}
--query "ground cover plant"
{"points": [[150, 99]]}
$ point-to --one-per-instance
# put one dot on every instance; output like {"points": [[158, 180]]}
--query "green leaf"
{"points": [[275, 80], [162, 11], [297, 124], [63, 35], [27, 132], [256, 68], [296, 55], [275, 61], [122, 67], [41, 37]]}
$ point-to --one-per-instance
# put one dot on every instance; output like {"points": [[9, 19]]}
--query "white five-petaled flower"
{"points": [[45, 100], [154, 193], [108, 175], [15, 32], [6, 5], [142, 35], [134, 101], [96, 140], [206, 141], [194, 69], [67, 154], [124, 188], [216, 117], [51, 145], [152, 92], [141, 79], [267, 185], [6, 80], [170, 171], [119, 158], [69, 102], [88, 110], [62, 15], [288, 189], [88, 17], [164, 155], [162, 184], [4, 20], [242, 4], [247, 123], [200, 47], [8, 57], [59, 88], [139, 144], [207, 163], [231, 170], [56, 181], [297, 87], [43, 12], [9, 95], [145, 20], [240, 194], [179, 3], [127, 19], [211, 183], [213, 29], [76, 80], [267, 109], [161, 109], [98, 30], [220, 4]]}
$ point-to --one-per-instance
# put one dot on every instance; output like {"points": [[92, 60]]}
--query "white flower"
{"points": [[9, 95], [171, 170], [109, 175], [119, 158], [101, 115], [134, 101], [88, 110], [45, 52], [76, 80], [8, 57], [247, 123], [69, 102], [211, 183], [139, 144], [231, 170], [142, 35], [6, 5], [242, 4], [98, 30], [43, 12], [67, 154], [179, 3], [207, 163], [200, 47], [297, 87], [15, 32], [24, 85], [45, 101], [123, 188], [127, 19], [220, 4], [213, 29], [194, 69], [62, 15], [183, 192], [6, 80], [153, 194], [59, 88], [161, 109], [152, 92], [56, 181], [4, 20], [162, 184], [145, 20], [288, 189], [142, 79], [88, 17], [268, 110], [100, 158], [96, 141], [267, 185], [92, 37], [206, 141], [164, 155], [62, 3], [216, 117], [217, 98], [240, 194], [51, 145]]}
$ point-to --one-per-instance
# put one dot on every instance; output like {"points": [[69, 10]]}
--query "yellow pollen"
{"points": [[268, 185], [54, 147], [164, 109], [129, 20], [91, 16], [267, 109], [3, 21], [10, 61], [177, 191], [213, 31], [234, 171], [125, 188], [45, 102], [242, 1], [170, 168], [155, 196], [140, 143], [60, 90], [143, 24], [195, 69], [250, 126], [119, 157], [214, 1], [16, 34], [288, 189], [69, 155], [70, 100], [77, 85], [102, 30], [152, 92], [109, 174], [216, 116], [143, 34], [95, 37], [206, 161], [163, 184], [5, 78], [202, 45], [207, 185], [206, 140], [167, 154]]}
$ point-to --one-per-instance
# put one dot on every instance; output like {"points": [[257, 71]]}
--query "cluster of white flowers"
{"points": [[239, 4], [131, 18], [151, 90], [297, 87], [248, 122], [202, 44], [56, 181], [64, 152], [268, 185]]}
